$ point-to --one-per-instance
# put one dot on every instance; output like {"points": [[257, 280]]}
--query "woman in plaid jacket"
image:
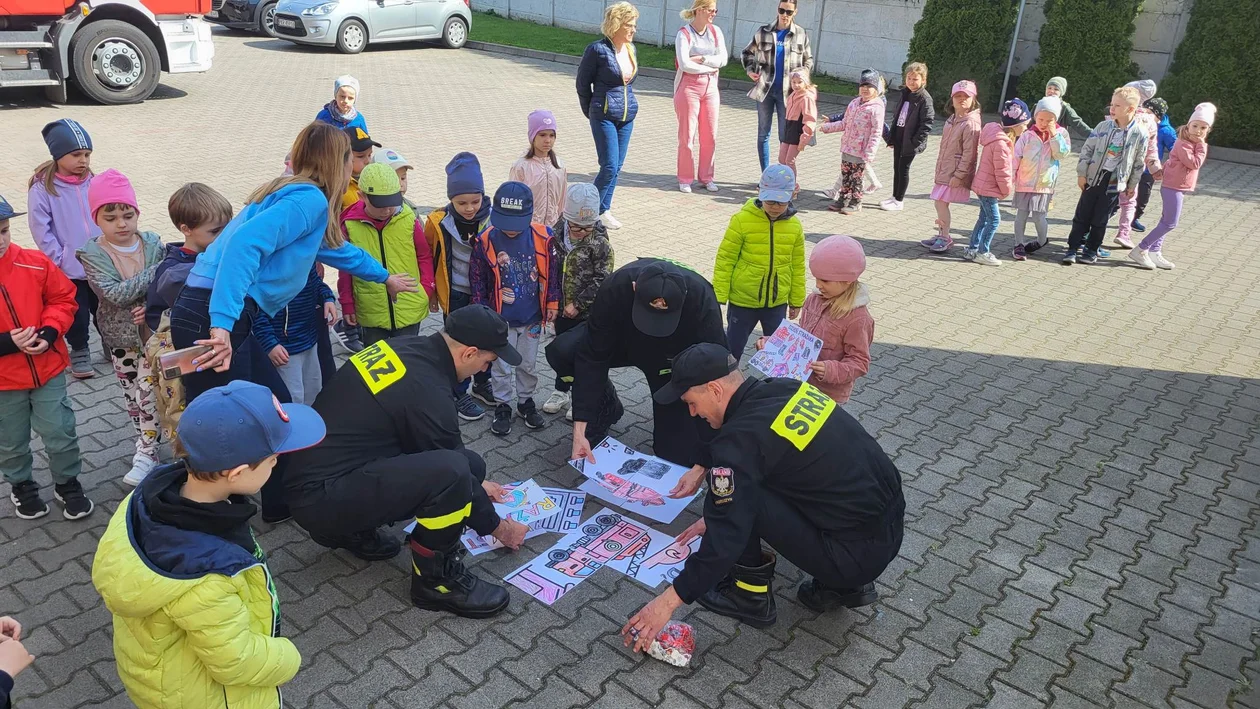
{"points": [[776, 50]]}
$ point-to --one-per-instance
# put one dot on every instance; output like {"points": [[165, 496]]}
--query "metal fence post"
{"points": [[1010, 57], [661, 43]]}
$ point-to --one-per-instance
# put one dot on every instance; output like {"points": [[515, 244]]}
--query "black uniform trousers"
{"points": [[563, 325], [1089, 223], [676, 435], [436, 488], [837, 561]]}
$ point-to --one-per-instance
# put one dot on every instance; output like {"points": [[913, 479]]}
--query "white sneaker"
{"points": [[829, 194], [141, 466], [569, 414], [609, 220], [987, 259], [684, 188], [711, 186], [891, 205], [556, 402], [1142, 258], [1160, 262]]}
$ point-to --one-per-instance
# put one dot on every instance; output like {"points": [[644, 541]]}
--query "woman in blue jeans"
{"points": [[256, 263], [605, 86], [776, 50]]}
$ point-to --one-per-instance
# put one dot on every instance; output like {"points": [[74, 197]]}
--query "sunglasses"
{"points": [[787, 12], [575, 229]]}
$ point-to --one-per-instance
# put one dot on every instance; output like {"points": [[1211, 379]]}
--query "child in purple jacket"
{"points": [[61, 223]]}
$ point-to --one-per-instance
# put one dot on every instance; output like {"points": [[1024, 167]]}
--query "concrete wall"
{"points": [[848, 35]]}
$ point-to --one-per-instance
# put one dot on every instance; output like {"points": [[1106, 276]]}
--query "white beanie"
{"points": [[1050, 104], [581, 204], [1205, 112], [1145, 88], [346, 80]]}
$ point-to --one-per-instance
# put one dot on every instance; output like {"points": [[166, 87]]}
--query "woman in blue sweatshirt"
{"points": [[260, 262]]}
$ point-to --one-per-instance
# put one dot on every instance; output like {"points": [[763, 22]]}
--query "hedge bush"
{"points": [[964, 39], [1088, 42], [1217, 61]]}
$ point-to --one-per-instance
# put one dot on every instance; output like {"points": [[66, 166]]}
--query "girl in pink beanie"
{"points": [[542, 170], [837, 315]]}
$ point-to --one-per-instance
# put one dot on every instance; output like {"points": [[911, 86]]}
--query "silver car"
{"points": [[352, 24]]}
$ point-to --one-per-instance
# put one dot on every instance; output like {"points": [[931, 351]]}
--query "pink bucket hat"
{"points": [[837, 258], [966, 86], [540, 121], [111, 187]]}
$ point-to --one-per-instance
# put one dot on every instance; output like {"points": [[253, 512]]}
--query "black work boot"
{"points": [[371, 545], [819, 598], [746, 594], [440, 582]]}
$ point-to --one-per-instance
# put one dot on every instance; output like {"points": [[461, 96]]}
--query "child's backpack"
{"points": [[169, 392]]}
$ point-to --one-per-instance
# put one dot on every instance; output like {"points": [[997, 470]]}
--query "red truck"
{"points": [[114, 50]]}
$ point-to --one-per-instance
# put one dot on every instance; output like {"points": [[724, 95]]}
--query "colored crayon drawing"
{"points": [[788, 353], [629, 491], [609, 538]]}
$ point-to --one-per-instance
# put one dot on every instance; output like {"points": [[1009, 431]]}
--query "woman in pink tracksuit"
{"points": [[700, 54]]}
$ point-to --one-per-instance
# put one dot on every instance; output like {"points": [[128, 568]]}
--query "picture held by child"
{"points": [[33, 362], [61, 222]]}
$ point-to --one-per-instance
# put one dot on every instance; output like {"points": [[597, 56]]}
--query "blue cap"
{"points": [[242, 423], [513, 207], [6, 211], [778, 183]]}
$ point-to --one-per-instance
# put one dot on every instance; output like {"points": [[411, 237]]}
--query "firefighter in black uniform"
{"points": [[644, 313], [789, 467], [393, 452]]}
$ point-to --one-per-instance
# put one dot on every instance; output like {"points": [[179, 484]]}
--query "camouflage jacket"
{"points": [[586, 265]]}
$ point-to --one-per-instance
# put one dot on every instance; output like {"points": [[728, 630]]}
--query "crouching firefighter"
{"points": [[790, 467], [393, 452]]}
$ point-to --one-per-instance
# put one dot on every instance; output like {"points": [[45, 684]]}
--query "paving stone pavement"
{"points": [[1079, 445]]}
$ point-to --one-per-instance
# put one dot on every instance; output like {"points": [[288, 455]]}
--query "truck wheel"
{"points": [[114, 62], [267, 20], [455, 33], [352, 37]]}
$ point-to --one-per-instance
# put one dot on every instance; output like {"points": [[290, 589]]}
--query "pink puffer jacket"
{"points": [[956, 156], [996, 175], [863, 126]]}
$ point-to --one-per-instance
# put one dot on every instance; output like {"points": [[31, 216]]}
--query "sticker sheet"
{"points": [[566, 520], [788, 353], [632, 480]]}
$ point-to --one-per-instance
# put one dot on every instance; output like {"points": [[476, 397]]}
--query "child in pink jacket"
{"points": [[801, 120], [955, 161], [1181, 175], [995, 178], [863, 126]]}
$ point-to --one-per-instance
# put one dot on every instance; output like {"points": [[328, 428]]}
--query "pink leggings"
{"points": [[787, 156], [696, 102]]}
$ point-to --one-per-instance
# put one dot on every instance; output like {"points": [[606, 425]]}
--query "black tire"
{"points": [[267, 20], [455, 33], [114, 63], [348, 45]]}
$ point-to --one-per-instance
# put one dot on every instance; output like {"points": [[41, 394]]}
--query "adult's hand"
{"points": [[10, 628], [510, 533], [22, 336], [581, 446], [400, 283], [278, 355], [219, 358], [494, 491], [697, 529], [13, 657], [688, 483], [644, 626]]}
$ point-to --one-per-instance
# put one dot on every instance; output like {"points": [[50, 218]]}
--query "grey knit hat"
{"points": [[869, 77], [1058, 82]]}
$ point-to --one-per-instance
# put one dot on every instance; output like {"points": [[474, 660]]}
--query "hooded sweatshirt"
{"points": [[196, 615], [266, 252], [168, 280], [61, 224], [995, 176]]}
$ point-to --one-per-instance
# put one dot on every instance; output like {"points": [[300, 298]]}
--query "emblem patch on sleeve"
{"points": [[722, 483]]}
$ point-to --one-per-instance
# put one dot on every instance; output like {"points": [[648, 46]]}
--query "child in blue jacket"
{"points": [[1166, 137], [289, 337]]}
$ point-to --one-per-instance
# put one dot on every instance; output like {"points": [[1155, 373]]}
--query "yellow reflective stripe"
{"points": [[446, 520], [443, 589], [567, 379], [416, 569], [751, 588], [801, 417]]}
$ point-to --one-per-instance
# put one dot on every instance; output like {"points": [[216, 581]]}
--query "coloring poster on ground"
{"points": [[525, 502], [606, 539], [632, 480], [788, 353], [566, 520]]}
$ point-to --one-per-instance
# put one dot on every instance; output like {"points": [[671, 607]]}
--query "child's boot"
{"points": [[81, 364], [441, 582], [25, 497], [746, 594], [820, 599], [74, 503], [482, 392], [529, 411], [502, 424]]}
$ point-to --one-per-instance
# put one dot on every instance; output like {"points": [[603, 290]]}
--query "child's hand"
{"points": [[754, 76], [279, 356], [793, 312], [570, 311], [761, 343], [551, 315], [1128, 194], [1158, 175], [955, 182], [22, 336], [818, 368], [433, 306], [351, 319], [1082, 183], [137, 315], [10, 628], [330, 313], [13, 656], [400, 283], [36, 347]]}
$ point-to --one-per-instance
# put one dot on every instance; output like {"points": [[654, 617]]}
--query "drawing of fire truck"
{"points": [[632, 492], [608, 538], [654, 469]]}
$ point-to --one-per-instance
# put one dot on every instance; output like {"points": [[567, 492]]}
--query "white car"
{"points": [[351, 25]]}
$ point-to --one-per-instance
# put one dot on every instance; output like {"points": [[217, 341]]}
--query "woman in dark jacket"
{"points": [[907, 136], [605, 86]]}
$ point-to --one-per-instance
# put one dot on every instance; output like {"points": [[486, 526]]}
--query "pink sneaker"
{"points": [[941, 244], [1122, 241], [927, 243]]}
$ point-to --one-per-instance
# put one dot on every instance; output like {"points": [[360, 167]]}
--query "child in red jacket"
{"points": [[995, 178], [39, 307]]}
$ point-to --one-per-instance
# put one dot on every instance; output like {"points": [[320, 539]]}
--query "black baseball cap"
{"points": [[359, 139], [696, 365], [479, 326], [660, 281]]}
